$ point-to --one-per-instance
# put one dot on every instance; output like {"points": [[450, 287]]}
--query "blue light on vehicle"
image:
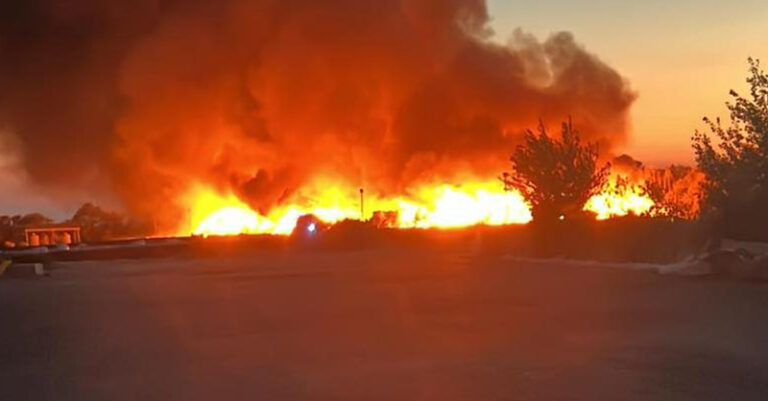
{"points": [[311, 227]]}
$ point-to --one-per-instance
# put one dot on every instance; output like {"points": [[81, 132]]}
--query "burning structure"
{"points": [[240, 116]]}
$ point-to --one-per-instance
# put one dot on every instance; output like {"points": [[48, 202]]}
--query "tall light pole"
{"points": [[362, 206]]}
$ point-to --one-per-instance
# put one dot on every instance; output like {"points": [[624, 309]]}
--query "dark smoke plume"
{"points": [[144, 98]]}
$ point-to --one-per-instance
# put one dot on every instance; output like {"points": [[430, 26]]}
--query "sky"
{"points": [[680, 56]]}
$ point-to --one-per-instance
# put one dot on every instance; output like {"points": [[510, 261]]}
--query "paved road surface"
{"points": [[378, 325]]}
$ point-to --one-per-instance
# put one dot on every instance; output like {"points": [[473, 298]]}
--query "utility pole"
{"points": [[362, 206]]}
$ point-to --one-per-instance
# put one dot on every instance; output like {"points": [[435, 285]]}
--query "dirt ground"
{"points": [[378, 325]]}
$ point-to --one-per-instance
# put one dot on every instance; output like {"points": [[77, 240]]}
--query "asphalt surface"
{"points": [[378, 325]]}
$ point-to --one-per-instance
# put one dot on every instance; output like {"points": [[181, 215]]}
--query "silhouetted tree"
{"points": [[12, 227], [6, 228], [32, 219], [736, 164], [98, 224], [557, 177]]}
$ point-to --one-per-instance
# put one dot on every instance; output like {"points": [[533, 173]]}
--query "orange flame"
{"points": [[620, 199], [428, 206], [425, 206]]}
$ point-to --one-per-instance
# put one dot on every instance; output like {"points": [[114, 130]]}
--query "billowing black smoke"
{"points": [[144, 98]]}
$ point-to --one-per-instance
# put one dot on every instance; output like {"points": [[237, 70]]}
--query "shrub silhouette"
{"points": [[736, 166], [557, 177]]}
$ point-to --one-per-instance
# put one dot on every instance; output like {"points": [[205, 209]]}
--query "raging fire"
{"points": [[620, 198], [438, 206], [425, 206]]}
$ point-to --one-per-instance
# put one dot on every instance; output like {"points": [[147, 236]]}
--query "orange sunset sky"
{"points": [[680, 56]]}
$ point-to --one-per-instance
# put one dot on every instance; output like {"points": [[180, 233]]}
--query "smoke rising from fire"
{"points": [[264, 98]]}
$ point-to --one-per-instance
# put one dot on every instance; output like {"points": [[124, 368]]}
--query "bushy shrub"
{"points": [[556, 177], [735, 161]]}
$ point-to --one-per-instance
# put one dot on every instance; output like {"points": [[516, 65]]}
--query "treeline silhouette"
{"points": [[96, 224], [558, 175]]}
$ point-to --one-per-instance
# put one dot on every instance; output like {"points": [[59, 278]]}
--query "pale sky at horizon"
{"points": [[680, 56]]}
